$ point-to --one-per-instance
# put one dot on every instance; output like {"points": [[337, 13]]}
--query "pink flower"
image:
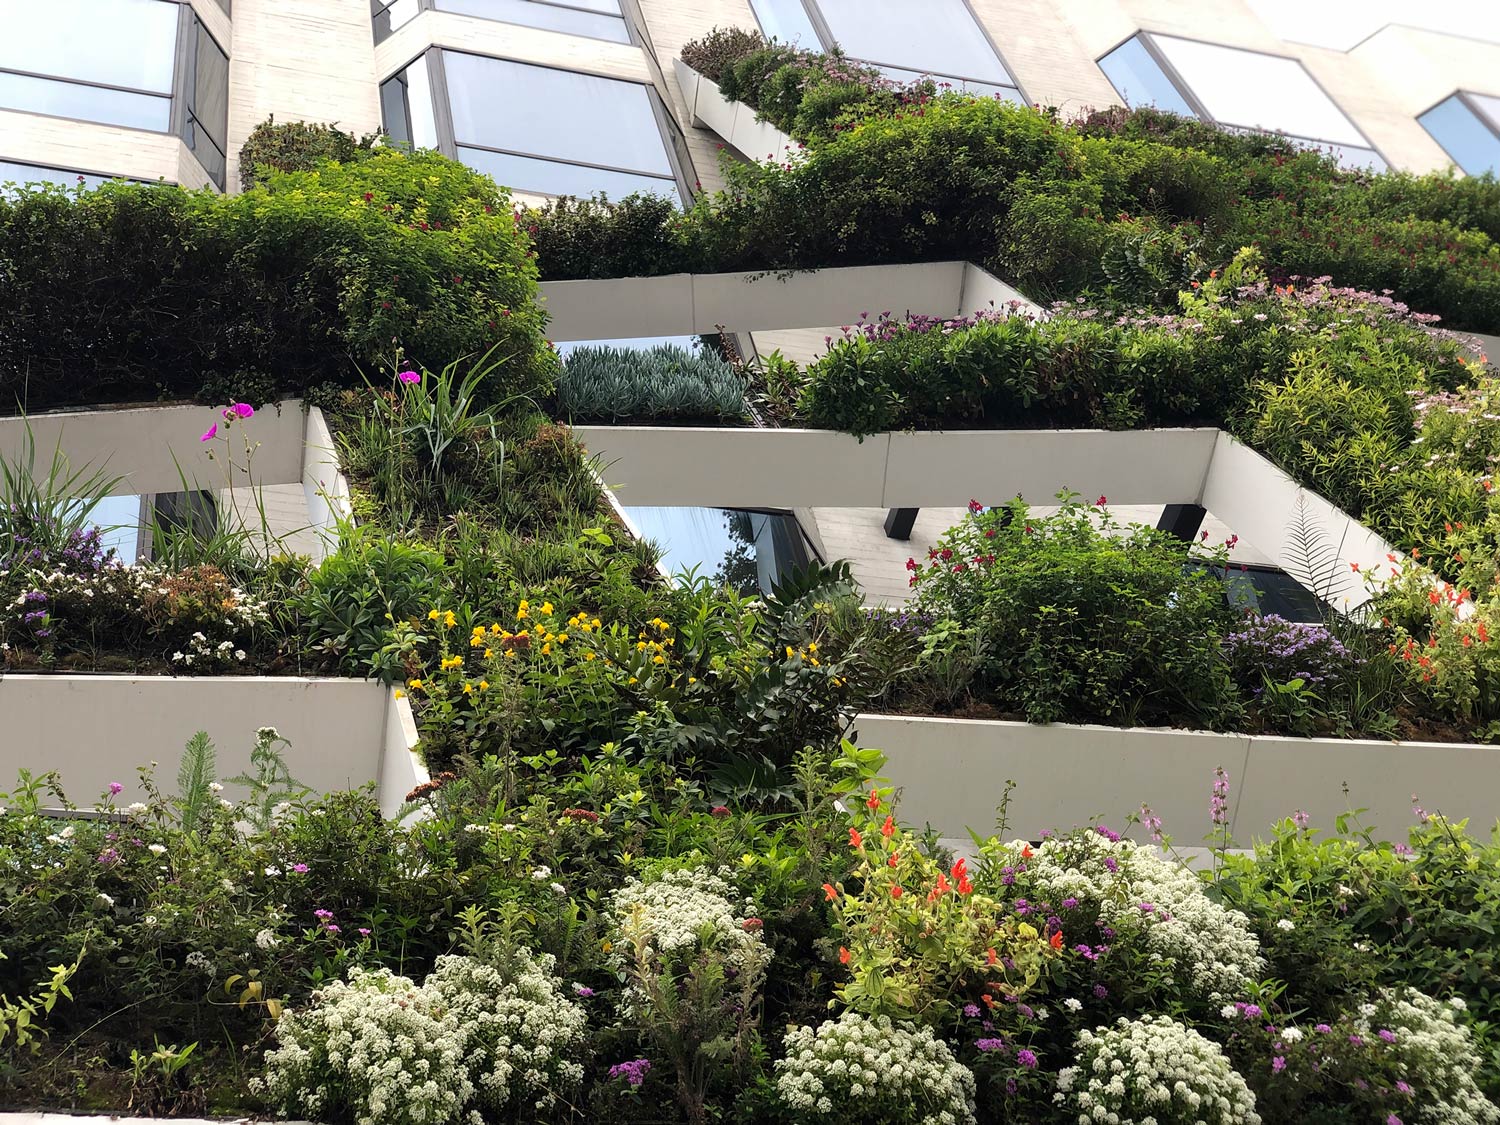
{"points": [[300, 868], [243, 410], [409, 377], [115, 788], [211, 434]]}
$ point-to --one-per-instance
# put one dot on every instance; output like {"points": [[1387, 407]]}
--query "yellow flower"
{"points": [[484, 685], [510, 653], [524, 604], [588, 656], [547, 608], [454, 661], [468, 689], [399, 694], [489, 653], [633, 679], [561, 637], [496, 630], [433, 615], [415, 685], [692, 679], [789, 652], [658, 660], [520, 615], [812, 646], [606, 946], [476, 640], [449, 620], [546, 650], [596, 623], [640, 646]]}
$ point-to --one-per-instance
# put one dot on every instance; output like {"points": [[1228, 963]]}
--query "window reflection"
{"points": [[747, 550], [599, 20], [18, 174], [1467, 133], [1236, 89]]}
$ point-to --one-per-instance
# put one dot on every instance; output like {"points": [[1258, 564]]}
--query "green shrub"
{"points": [[297, 146], [1079, 617], [715, 52], [664, 382], [290, 284]]}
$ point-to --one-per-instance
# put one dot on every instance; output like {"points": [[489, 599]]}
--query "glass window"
{"points": [[943, 39], [87, 103], [1140, 81], [553, 177], [126, 43], [748, 551], [599, 19], [13, 173], [569, 116], [1472, 142], [1258, 91], [406, 102], [207, 128], [786, 20], [637, 344], [388, 16], [1488, 107]]}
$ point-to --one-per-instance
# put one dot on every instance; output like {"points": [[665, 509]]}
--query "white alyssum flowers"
{"points": [[1286, 924], [473, 1038], [1152, 1069], [679, 908], [266, 939], [1438, 1053], [856, 1061], [1154, 901]]}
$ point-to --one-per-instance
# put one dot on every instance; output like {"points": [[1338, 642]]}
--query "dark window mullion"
{"points": [[442, 110], [1479, 115]]}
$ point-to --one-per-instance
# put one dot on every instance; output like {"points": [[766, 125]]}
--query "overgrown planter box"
{"points": [[953, 773], [736, 122], [97, 729], [793, 468], [683, 304]]}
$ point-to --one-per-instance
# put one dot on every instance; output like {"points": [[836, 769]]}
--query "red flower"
{"points": [[895, 859], [750, 925], [888, 829], [843, 955], [975, 506], [855, 839], [1026, 852], [1354, 567], [961, 876], [989, 957], [1056, 940], [719, 811], [896, 891], [1101, 501], [830, 892], [873, 801]]}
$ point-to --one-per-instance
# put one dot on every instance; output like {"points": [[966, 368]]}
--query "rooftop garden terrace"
{"points": [[647, 878]]}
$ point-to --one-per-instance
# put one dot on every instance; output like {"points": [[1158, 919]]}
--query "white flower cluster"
{"points": [[522, 1034], [1153, 1071], [1156, 901], [383, 1051], [856, 1061], [207, 655], [1437, 1052], [680, 909]]}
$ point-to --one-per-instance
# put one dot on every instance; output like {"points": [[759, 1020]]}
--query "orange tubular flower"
{"points": [[874, 800], [888, 829], [1026, 852], [843, 955], [855, 839], [1056, 940], [990, 958], [896, 891], [895, 859], [830, 892]]}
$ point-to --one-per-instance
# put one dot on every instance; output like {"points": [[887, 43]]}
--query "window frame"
{"points": [[1465, 98], [828, 42], [633, 35], [673, 144], [1185, 91], [184, 63]]}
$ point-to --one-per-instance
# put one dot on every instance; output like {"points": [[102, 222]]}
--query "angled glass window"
{"points": [[787, 22], [580, 133], [592, 19], [206, 128], [943, 41], [1237, 89], [1468, 128], [1140, 80], [745, 550]]}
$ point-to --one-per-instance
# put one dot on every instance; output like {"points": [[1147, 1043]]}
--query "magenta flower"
{"points": [[211, 434], [1278, 1064], [1026, 1058], [409, 377], [300, 868], [115, 788], [243, 410]]}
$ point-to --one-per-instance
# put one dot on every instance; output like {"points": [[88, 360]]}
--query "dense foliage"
{"points": [[293, 284], [1132, 204], [663, 383]]}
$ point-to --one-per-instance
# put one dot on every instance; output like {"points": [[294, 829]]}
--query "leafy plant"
{"points": [[664, 382], [196, 774]]}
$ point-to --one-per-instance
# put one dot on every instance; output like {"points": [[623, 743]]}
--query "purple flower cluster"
{"points": [[634, 1071], [1281, 650]]}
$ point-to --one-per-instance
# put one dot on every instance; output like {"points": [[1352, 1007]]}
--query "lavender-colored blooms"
{"points": [[1274, 648], [990, 1044], [634, 1071]]}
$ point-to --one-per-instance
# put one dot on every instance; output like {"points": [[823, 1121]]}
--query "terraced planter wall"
{"points": [[953, 774], [94, 730]]}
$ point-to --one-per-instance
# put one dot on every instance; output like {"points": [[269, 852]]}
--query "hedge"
{"points": [[135, 292]]}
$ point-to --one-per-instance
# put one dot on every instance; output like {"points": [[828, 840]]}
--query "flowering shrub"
{"points": [[1275, 649], [1435, 1052], [381, 1049], [1081, 619], [1153, 1069], [898, 1075], [920, 943], [1141, 919]]}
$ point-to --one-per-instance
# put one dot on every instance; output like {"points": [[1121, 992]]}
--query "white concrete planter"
{"points": [[155, 449], [794, 468], [736, 122], [953, 773], [683, 304], [94, 730]]}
